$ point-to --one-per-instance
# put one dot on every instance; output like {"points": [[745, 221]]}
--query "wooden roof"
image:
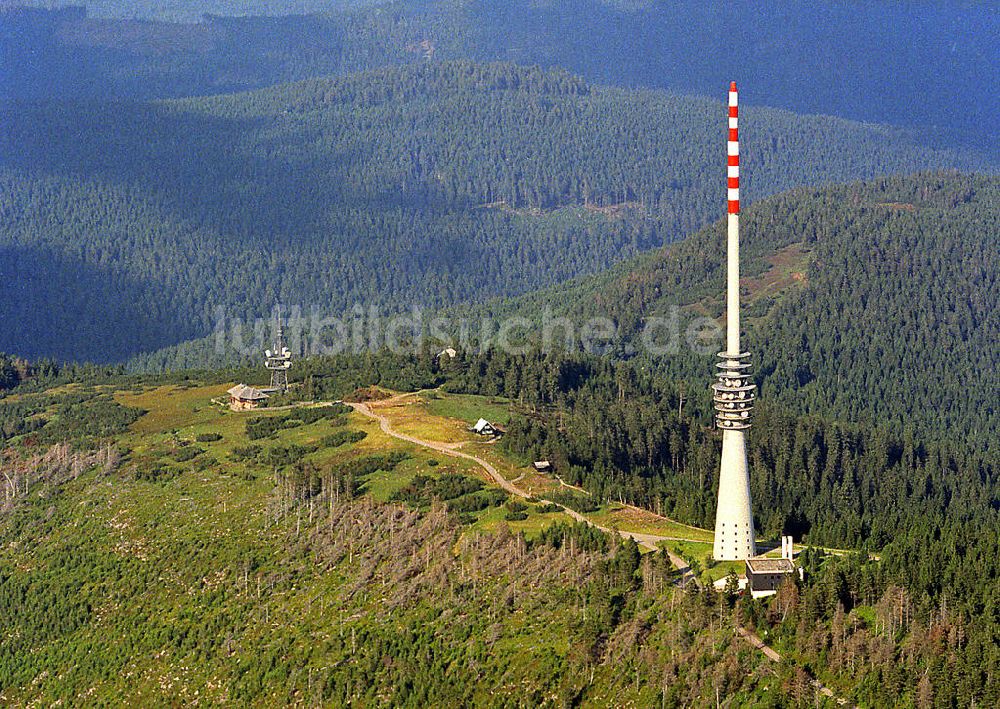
{"points": [[247, 393]]}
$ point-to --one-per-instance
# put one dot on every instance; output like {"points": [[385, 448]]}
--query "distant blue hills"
{"points": [[928, 66]]}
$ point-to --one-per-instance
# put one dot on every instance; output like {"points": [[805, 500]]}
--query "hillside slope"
{"points": [[867, 302], [425, 186], [159, 548], [190, 554]]}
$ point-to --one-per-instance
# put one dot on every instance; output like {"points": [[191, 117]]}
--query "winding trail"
{"points": [[649, 541], [445, 448]]}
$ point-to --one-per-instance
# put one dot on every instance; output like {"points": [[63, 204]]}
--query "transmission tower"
{"points": [[279, 361]]}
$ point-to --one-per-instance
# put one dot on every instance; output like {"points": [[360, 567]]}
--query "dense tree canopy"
{"points": [[929, 508], [139, 198], [428, 185], [919, 622]]}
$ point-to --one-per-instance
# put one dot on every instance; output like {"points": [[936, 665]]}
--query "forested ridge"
{"points": [[918, 626], [926, 67], [159, 548], [152, 565], [126, 225], [871, 302], [930, 508]]}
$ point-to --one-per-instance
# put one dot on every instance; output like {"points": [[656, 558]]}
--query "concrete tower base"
{"points": [[734, 532]]}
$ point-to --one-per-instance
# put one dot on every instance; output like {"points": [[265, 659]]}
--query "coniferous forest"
{"points": [[843, 286], [431, 185], [163, 165]]}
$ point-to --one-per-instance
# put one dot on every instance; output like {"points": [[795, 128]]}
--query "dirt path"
{"points": [[649, 541], [445, 448], [299, 405], [571, 487], [755, 640]]}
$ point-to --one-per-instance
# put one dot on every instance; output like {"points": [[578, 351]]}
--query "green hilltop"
{"points": [[160, 547], [173, 551], [355, 542]]}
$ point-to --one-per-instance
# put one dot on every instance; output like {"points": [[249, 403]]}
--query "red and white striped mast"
{"points": [[734, 392], [733, 195]]}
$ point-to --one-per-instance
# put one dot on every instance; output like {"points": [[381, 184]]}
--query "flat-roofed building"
{"points": [[765, 575]]}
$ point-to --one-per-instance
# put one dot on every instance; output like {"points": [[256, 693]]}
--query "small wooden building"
{"points": [[485, 428], [765, 575], [543, 466], [245, 398]]}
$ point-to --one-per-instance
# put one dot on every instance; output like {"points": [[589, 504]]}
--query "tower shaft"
{"points": [[734, 392], [733, 283]]}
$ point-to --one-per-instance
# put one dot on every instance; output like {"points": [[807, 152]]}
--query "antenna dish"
{"points": [[267, 353], [285, 351], [287, 365]]}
